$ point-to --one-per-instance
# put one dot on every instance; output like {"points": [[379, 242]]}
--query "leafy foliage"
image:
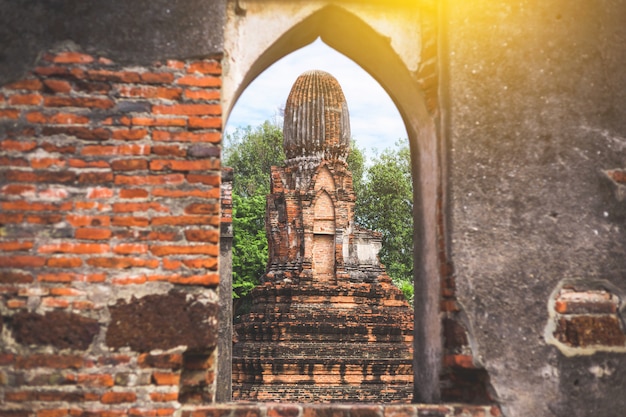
{"points": [[250, 251], [251, 153], [386, 205]]}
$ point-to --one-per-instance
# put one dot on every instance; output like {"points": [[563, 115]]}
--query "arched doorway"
{"points": [[392, 67]]}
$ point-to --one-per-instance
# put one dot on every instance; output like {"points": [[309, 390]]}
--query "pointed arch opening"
{"points": [[347, 33]]}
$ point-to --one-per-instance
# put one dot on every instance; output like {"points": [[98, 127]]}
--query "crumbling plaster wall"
{"points": [[537, 104]]}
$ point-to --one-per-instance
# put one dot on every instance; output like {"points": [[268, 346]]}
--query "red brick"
{"points": [[208, 179], [130, 248], [188, 109], [202, 95], [60, 412], [163, 396], [138, 149], [99, 192], [72, 247], [95, 177], [28, 206], [9, 114], [58, 86], [90, 233], [40, 176], [129, 165], [157, 77], [88, 220], [66, 292], [202, 208], [208, 280], [183, 136], [164, 236], [202, 235], [58, 277], [169, 150], [169, 264], [178, 165], [15, 277], [63, 262], [164, 250], [53, 302], [205, 67], [133, 193], [25, 99], [72, 58], [158, 121], [53, 147], [150, 92], [128, 134], [18, 189], [44, 218], [197, 81], [166, 378], [15, 246], [52, 70], [19, 146], [201, 263], [95, 134], [165, 192], [129, 280], [19, 396], [205, 123], [172, 179], [123, 263], [28, 84], [45, 163], [130, 221], [89, 102], [114, 397], [21, 261], [186, 221], [460, 361], [16, 162], [16, 303], [113, 76], [137, 207]]}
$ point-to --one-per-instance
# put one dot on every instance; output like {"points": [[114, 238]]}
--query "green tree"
{"points": [[386, 205], [251, 153]]}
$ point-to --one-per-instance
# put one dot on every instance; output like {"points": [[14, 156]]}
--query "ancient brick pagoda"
{"points": [[327, 324]]}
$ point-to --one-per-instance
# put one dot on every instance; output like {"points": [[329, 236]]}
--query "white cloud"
{"points": [[374, 119]]}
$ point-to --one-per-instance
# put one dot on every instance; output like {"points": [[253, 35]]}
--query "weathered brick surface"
{"points": [[587, 318], [99, 169]]}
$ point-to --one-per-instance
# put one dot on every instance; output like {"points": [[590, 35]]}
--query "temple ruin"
{"points": [[327, 324]]}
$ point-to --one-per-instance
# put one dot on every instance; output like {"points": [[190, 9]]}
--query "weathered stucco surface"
{"points": [[537, 106]]}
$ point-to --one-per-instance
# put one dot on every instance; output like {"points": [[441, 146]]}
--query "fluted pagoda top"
{"points": [[316, 125]]}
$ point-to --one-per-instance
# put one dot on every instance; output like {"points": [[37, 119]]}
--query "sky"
{"points": [[375, 122]]}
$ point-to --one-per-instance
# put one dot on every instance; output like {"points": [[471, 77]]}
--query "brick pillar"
{"points": [[225, 342], [109, 235]]}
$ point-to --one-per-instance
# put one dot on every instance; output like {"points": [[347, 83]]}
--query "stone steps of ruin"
{"points": [[326, 317], [323, 332], [323, 350], [323, 370], [381, 393]]}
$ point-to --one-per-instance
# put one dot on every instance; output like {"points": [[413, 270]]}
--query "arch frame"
{"points": [[342, 27]]}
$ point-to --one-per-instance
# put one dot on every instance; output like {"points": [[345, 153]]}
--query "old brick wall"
{"points": [[109, 231]]}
